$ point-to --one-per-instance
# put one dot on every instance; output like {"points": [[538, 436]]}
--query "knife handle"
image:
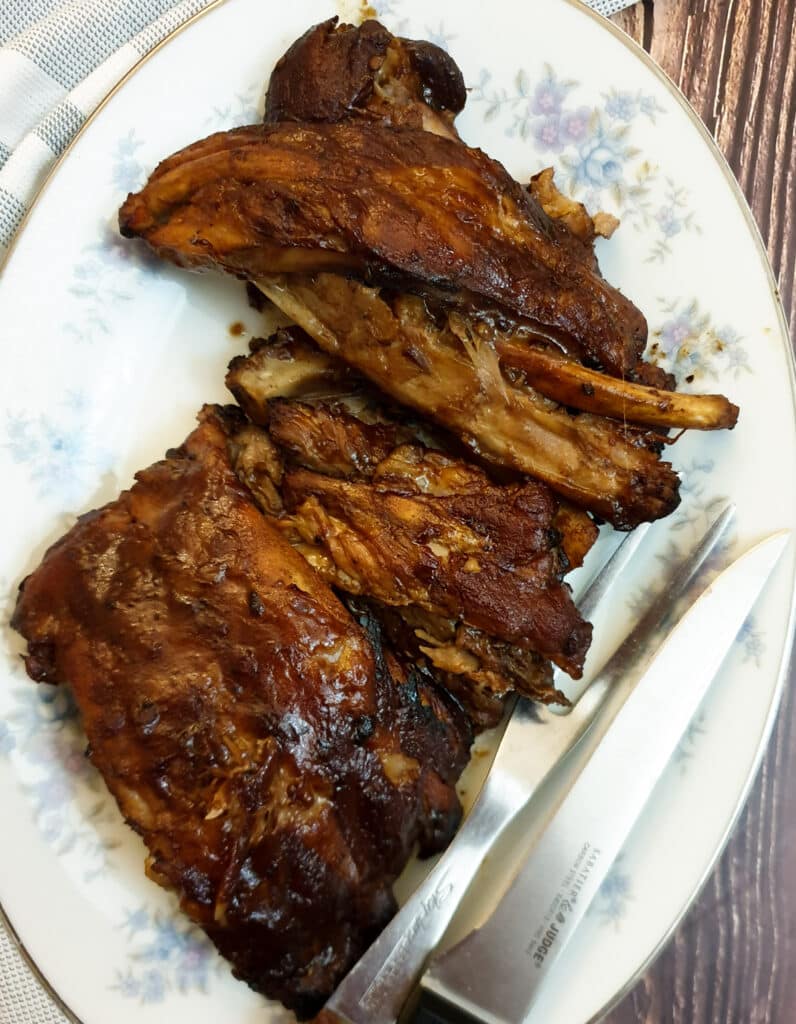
{"points": [[433, 1010]]}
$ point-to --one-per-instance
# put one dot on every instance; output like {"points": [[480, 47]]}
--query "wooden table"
{"points": [[733, 960]]}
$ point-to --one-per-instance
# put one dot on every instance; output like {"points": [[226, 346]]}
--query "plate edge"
{"points": [[35, 970], [56, 164], [606, 25], [5, 921], [788, 648]]}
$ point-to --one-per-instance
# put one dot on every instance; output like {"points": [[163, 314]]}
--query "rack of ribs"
{"points": [[283, 636], [420, 262], [385, 508], [277, 758]]}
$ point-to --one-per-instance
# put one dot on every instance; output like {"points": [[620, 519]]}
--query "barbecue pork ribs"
{"points": [[471, 568], [358, 191], [277, 759], [399, 205]]}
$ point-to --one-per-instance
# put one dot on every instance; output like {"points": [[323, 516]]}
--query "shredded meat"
{"points": [[276, 757], [484, 556], [449, 373], [477, 669], [378, 513]]}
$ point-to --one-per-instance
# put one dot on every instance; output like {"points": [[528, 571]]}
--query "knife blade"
{"points": [[535, 740], [493, 975]]}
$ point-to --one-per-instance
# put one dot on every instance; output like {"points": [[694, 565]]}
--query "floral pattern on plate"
{"points": [[611, 901], [599, 138], [70, 805], [692, 347], [167, 955], [592, 149], [55, 450]]}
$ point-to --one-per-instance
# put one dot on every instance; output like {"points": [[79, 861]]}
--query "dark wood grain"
{"points": [[733, 960]]}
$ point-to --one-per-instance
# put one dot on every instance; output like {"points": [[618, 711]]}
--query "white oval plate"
{"points": [[107, 355]]}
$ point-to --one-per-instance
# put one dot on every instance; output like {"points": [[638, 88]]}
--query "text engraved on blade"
{"points": [[563, 904], [393, 964]]}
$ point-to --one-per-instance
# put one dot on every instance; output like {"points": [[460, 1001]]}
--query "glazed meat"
{"points": [[277, 759], [419, 530], [336, 72], [257, 199], [578, 387], [483, 556], [478, 670], [443, 369], [400, 205], [510, 402], [490, 295]]}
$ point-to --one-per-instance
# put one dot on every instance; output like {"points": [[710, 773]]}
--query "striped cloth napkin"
{"points": [[58, 60]]}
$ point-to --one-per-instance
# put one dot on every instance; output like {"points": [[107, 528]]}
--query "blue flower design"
{"points": [[547, 132], [41, 708], [439, 36], [173, 954], [103, 280], [108, 270], [675, 333], [548, 96], [62, 748], [7, 740], [52, 829], [576, 124], [51, 793], [152, 987], [750, 638], [621, 106], [136, 921], [166, 941], [689, 346], [700, 504], [614, 894], [601, 165], [127, 985], [244, 108], [127, 172], [649, 106], [670, 223], [600, 162], [43, 729], [689, 742], [56, 450], [193, 967]]}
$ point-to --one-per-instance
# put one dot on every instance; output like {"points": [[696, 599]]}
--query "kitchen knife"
{"points": [[493, 975]]}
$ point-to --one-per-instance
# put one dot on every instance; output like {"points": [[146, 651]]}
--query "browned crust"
{"points": [[399, 204], [484, 556], [276, 758], [597, 463], [334, 72], [578, 387]]}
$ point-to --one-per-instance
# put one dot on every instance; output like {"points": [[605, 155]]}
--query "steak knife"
{"points": [[493, 975]]}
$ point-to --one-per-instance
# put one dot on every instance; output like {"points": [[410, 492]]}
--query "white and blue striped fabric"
{"points": [[58, 61]]}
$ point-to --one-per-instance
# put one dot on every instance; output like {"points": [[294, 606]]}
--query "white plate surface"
{"points": [[106, 357]]}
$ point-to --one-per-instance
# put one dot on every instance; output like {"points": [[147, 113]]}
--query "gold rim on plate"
{"points": [[754, 231]]}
